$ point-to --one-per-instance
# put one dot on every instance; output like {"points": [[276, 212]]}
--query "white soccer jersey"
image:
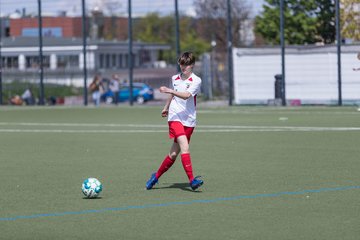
{"points": [[181, 110]]}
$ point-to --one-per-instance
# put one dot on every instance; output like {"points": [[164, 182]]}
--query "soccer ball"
{"points": [[91, 187]]}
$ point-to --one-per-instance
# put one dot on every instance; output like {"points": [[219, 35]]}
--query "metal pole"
{"points": [[177, 32], [212, 66], [229, 52], [130, 53], [338, 43], [282, 43], [1, 62], [41, 69], [84, 52]]}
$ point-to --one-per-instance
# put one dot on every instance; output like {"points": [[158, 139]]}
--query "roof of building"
{"points": [[306, 49], [56, 41]]}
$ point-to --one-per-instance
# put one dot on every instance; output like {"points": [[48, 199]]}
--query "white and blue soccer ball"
{"points": [[91, 187]]}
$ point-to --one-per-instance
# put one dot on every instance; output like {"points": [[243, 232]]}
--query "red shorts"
{"points": [[176, 129]]}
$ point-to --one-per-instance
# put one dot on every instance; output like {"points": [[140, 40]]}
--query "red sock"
{"points": [[165, 165], [186, 162]]}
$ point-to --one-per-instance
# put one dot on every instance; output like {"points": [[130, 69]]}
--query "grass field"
{"points": [[269, 173]]}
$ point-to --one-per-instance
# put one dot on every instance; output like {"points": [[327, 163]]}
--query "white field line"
{"points": [[76, 131], [165, 126], [163, 131], [152, 128], [221, 110], [82, 125], [269, 111]]}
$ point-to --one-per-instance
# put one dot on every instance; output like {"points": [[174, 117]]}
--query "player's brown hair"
{"points": [[187, 59]]}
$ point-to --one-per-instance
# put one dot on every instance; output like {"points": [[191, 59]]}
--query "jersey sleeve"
{"points": [[194, 89]]}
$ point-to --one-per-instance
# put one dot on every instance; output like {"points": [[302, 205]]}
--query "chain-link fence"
{"points": [[57, 55]]}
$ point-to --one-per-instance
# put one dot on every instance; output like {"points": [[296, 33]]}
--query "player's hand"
{"points": [[164, 89], [164, 113]]}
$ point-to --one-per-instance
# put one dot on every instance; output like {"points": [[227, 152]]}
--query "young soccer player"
{"points": [[180, 108]]}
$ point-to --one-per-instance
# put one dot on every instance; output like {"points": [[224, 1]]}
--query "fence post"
{"points": [[177, 32], [41, 63], [282, 43], [338, 44], [130, 53], [1, 62], [84, 52], [229, 53]]}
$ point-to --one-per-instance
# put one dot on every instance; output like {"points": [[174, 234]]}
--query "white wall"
{"points": [[310, 77], [90, 60]]}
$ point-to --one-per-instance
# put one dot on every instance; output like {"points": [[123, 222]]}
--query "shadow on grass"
{"points": [[97, 198], [182, 186]]}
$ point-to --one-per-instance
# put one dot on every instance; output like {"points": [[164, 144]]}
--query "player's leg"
{"points": [[165, 165], [185, 156], [195, 182], [169, 160]]}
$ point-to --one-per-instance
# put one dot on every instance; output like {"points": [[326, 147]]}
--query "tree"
{"points": [[212, 15], [153, 28], [113, 7], [306, 21], [325, 19], [350, 19], [189, 39]]}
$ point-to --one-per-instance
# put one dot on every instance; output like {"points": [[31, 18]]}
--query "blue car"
{"points": [[141, 93]]}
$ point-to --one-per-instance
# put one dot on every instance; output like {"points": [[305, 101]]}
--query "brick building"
{"points": [[52, 27], [98, 27]]}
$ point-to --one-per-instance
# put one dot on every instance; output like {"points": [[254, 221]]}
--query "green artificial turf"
{"points": [[269, 173]]}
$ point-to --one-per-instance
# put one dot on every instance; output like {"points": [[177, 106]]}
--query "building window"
{"points": [[68, 61], [101, 61], [135, 60], [126, 60], [107, 64], [113, 61], [144, 56], [10, 62], [120, 62], [34, 61]]}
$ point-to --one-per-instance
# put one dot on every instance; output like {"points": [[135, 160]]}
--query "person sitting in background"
{"points": [[27, 97], [16, 100], [115, 87], [96, 89]]}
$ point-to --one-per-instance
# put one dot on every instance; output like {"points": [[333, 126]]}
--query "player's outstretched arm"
{"points": [[183, 95]]}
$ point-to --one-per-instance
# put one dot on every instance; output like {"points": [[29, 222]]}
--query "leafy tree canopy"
{"points": [[306, 21], [350, 19], [154, 28]]}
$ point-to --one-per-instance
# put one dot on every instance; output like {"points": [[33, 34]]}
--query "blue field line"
{"points": [[146, 206]]}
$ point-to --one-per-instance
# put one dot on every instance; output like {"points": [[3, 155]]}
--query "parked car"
{"points": [[141, 93]]}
